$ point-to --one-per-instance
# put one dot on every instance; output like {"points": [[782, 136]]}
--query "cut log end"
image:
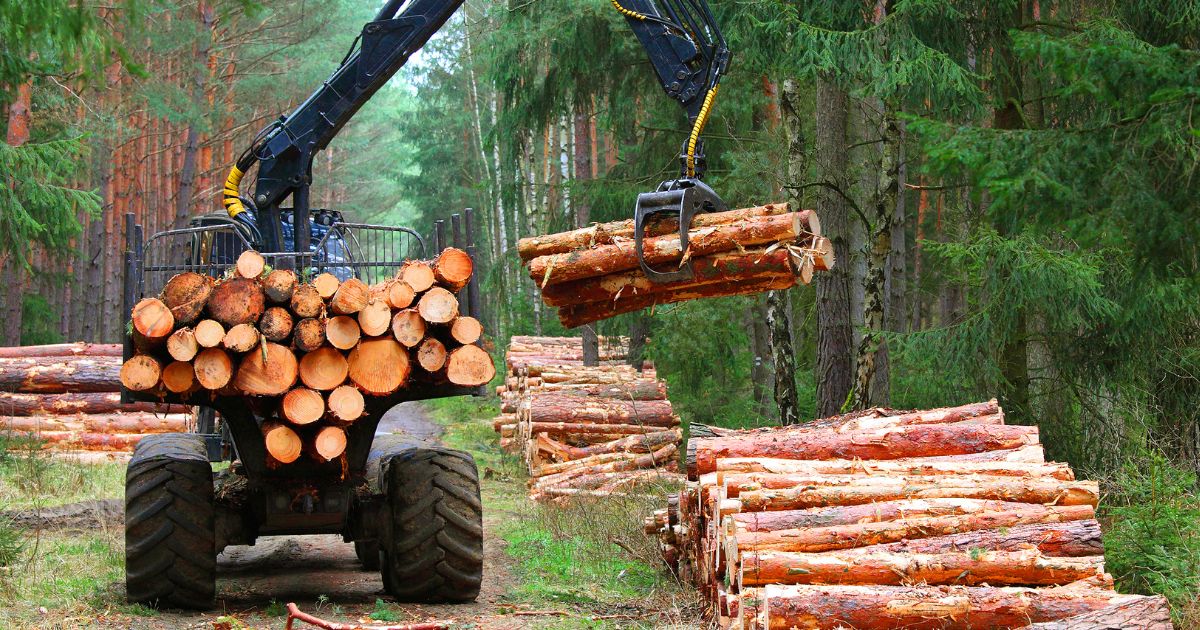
{"points": [[182, 345], [408, 327], [323, 369], [379, 366], [279, 285], [466, 330], [343, 332], [241, 338], [309, 334], [141, 373], [400, 294], [346, 403], [375, 318], [453, 268], [418, 275], [350, 297], [283, 444], [306, 301], [186, 294], [326, 285], [438, 306], [276, 324], [209, 333], [330, 443], [269, 371], [431, 355], [237, 301], [153, 319], [470, 366], [213, 368], [303, 406], [250, 264], [179, 377]]}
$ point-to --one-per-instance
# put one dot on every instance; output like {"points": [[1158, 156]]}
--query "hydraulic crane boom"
{"points": [[681, 38]]}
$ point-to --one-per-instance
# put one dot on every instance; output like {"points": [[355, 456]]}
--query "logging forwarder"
{"points": [[412, 510]]}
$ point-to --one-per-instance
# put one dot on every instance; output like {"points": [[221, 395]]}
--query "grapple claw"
{"points": [[683, 199]]}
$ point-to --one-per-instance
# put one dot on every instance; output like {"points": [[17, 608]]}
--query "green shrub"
{"points": [[1152, 534]]}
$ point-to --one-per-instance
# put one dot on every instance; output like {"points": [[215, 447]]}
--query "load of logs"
{"points": [[68, 397], [597, 431], [593, 273], [314, 348], [945, 518]]}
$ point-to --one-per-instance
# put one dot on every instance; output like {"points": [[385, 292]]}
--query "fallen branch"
{"points": [[294, 613]]}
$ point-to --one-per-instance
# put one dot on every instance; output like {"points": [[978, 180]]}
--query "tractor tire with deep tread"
{"points": [[432, 539], [170, 556]]}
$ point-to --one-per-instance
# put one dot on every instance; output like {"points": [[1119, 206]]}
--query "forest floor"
{"points": [[587, 566]]}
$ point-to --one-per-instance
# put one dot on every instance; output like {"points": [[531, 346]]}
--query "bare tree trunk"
{"points": [[783, 357], [583, 209], [187, 174], [835, 332], [761, 371], [16, 134]]}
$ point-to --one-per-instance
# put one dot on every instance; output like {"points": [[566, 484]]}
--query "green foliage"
{"points": [[383, 612], [39, 322], [1152, 533], [38, 203]]}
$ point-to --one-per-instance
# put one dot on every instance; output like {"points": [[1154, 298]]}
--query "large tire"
{"points": [[433, 535], [170, 549]]}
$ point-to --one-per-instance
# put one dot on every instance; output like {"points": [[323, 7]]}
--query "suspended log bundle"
{"points": [[67, 396], [943, 518], [311, 350], [588, 431], [593, 273]]}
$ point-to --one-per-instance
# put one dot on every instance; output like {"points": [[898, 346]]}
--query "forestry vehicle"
{"points": [[411, 509]]}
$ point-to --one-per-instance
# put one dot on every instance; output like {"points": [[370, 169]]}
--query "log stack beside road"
{"points": [[593, 273], [312, 350], [945, 518], [586, 431], [68, 396]]}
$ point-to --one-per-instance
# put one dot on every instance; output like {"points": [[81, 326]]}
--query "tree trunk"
{"points": [[783, 357], [834, 326], [1142, 613], [60, 375], [77, 349], [13, 404], [187, 174], [110, 423], [17, 134], [1068, 493], [557, 407]]}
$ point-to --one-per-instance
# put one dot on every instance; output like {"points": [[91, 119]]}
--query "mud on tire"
{"points": [[170, 557], [432, 537]]}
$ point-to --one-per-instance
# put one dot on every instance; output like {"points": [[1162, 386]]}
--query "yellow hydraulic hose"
{"points": [[233, 205], [705, 109]]}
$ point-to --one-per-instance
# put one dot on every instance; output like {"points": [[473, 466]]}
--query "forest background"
{"points": [[1011, 187]]}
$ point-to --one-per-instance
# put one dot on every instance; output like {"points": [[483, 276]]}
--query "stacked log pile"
{"points": [[309, 350], [593, 273], [586, 431], [68, 396], [945, 518]]}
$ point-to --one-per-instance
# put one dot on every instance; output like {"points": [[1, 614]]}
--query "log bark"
{"points": [[379, 366], [77, 349], [417, 275], [214, 368], [894, 467], [182, 345], [973, 567], [871, 513], [330, 443], [922, 440], [74, 440], [558, 407], [573, 429], [438, 306], [400, 294], [346, 403], [279, 285], [141, 373], [324, 369], [640, 389], [306, 301], [408, 327], [179, 377], [250, 264], [303, 406], [107, 423], [753, 264], [269, 371], [276, 324], [241, 338], [209, 333], [470, 366], [375, 318], [309, 334], [1051, 492], [643, 443], [578, 315], [621, 256], [350, 298], [431, 355], [781, 607], [1071, 539], [153, 320], [466, 330], [605, 233], [237, 301], [342, 332], [186, 294], [1142, 613], [556, 473], [818, 539], [326, 285], [283, 444], [453, 268], [733, 483], [14, 404]]}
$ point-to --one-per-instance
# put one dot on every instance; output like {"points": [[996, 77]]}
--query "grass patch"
{"points": [[64, 572], [30, 478]]}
